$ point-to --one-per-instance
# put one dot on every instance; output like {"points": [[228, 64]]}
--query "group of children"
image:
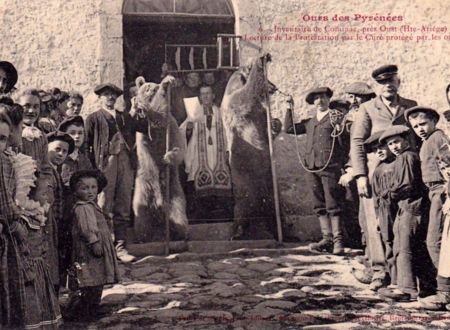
{"points": [[53, 234], [408, 186]]}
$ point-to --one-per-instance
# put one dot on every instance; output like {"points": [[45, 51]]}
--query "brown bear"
{"points": [[150, 197], [245, 121]]}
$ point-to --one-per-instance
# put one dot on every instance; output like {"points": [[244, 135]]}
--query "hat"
{"points": [[393, 131], [340, 104], [384, 72], [100, 88], [359, 88], [11, 74], [72, 120], [319, 90], [61, 136], [372, 140], [419, 108], [77, 176]]}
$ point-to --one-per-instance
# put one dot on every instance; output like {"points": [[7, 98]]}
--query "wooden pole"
{"points": [[167, 177], [272, 160]]}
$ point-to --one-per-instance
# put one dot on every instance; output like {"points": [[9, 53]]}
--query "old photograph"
{"points": [[224, 164]]}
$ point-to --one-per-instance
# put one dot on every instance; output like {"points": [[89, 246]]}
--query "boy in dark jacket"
{"points": [[325, 155]]}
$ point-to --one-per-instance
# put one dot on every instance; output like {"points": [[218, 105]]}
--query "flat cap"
{"points": [[11, 74], [318, 90], [340, 104], [419, 108], [102, 87], [72, 120], [97, 174], [384, 72], [61, 136], [393, 131], [359, 88]]}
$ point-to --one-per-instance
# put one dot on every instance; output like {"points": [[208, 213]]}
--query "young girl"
{"points": [[41, 303], [93, 254]]}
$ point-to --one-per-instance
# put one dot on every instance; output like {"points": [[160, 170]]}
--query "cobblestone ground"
{"points": [[286, 288]]}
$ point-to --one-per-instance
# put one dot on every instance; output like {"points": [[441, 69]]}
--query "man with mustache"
{"points": [[111, 137], [384, 110]]}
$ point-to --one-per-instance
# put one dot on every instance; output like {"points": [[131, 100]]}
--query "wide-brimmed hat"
{"points": [[384, 72], [72, 120], [97, 174], [318, 90], [393, 131], [11, 74], [419, 108], [61, 136], [102, 87]]}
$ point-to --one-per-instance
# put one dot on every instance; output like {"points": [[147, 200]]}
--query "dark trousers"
{"points": [[327, 195], [386, 213], [410, 254]]}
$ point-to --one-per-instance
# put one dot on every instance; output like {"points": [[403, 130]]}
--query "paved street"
{"points": [[287, 288]]}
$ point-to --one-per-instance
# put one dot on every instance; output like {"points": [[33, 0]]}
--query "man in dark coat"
{"points": [[111, 137]]}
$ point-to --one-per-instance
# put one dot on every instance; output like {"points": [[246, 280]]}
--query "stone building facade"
{"points": [[76, 44]]}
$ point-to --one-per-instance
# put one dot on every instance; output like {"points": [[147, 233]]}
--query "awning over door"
{"points": [[217, 9]]}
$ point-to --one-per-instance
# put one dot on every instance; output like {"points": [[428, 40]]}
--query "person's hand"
{"points": [[189, 126], [170, 156], [363, 186], [97, 249], [345, 179]]}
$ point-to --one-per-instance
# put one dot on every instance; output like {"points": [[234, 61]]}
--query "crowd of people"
{"points": [[389, 150], [66, 187]]}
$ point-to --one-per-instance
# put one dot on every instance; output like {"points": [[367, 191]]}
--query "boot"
{"points": [[338, 244], [326, 244], [122, 253]]}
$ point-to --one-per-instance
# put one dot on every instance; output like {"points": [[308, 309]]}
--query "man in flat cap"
{"points": [[375, 115], [110, 138], [8, 77]]}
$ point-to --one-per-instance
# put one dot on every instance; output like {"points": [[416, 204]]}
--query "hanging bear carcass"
{"points": [[244, 113]]}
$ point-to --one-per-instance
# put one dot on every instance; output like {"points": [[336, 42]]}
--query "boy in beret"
{"points": [[407, 192], [111, 137], [59, 146], [323, 164], [423, 121]]}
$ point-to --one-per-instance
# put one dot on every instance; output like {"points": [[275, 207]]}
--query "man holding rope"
{"points": [[325, 155]]}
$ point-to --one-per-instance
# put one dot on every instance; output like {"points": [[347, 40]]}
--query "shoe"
{"points": [[336, 228], [377, 283], [324, 245], [122, 253], [435, 302], [362, 276], [396, 294]]}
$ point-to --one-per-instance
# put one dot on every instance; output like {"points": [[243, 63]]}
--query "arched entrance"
{"points": [[148, 25]]}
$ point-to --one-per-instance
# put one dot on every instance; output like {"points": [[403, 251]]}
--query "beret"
{"points": [[393, 131], [72, 120], [318, 90], [419, 108], [340, 104], [61, 136], [11, 74], [384, 72], [100, 88], [372, 140], [359, 88], [94, 173]]}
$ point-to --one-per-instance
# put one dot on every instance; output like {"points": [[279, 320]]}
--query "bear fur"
{"points": [[245, 120], [154, 164]]}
